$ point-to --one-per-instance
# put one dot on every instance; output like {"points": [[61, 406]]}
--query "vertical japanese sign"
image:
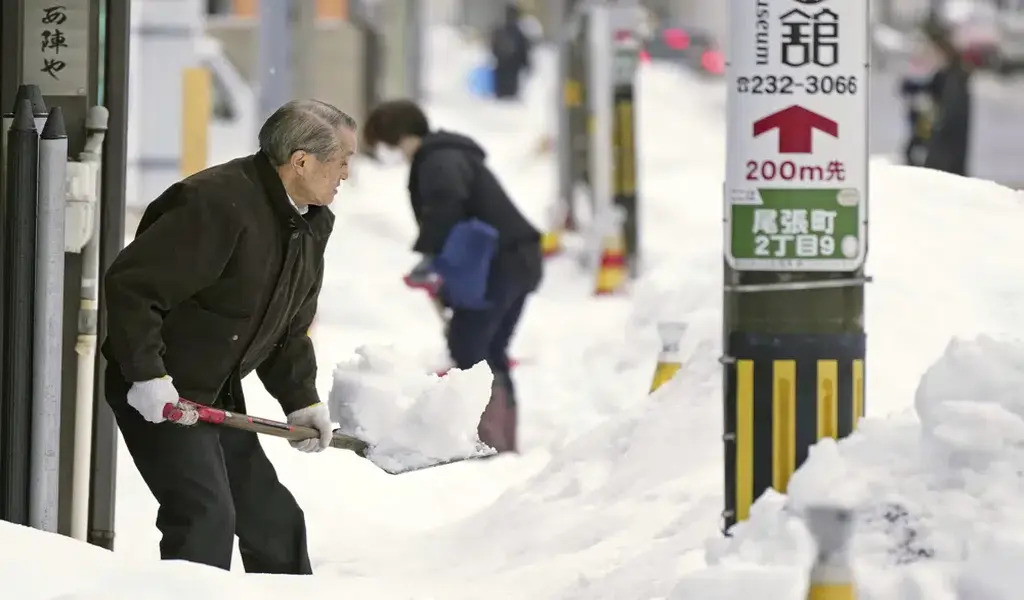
{"points": [[797, 163], [56, 48]]}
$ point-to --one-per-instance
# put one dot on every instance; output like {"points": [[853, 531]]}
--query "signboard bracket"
{"points": [[787, 286]]}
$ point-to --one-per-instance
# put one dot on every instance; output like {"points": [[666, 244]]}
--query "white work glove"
{"points": [[318, 417], [151, 396]]}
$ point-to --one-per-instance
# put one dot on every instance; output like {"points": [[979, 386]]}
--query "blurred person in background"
{"points": [[919, 97], [222, 279], [947, 144], [510, 49], [450, 188]]}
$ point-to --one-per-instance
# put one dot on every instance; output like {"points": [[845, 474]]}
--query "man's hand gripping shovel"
{"points": [[189, 413]]}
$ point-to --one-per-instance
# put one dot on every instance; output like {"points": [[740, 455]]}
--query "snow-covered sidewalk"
{"points": [[617, 493]]}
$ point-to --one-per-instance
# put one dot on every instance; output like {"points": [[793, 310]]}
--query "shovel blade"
{"points": [[482, 453]]}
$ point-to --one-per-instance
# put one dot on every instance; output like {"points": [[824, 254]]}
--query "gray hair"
{"points": [[309, 125]]}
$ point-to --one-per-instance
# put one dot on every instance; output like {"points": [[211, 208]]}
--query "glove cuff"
{"points": [[308, 410], [154, 382]]}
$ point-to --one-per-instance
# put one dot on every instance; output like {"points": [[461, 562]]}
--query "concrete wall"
{"points": [[338, 47], [238, 38]]}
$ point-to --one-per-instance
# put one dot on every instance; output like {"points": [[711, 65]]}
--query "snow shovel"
{"points": [[190, 413]]}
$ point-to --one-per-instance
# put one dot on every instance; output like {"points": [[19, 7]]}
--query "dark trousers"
{"points": [[212, 484], [476, 335], [506, 80]]}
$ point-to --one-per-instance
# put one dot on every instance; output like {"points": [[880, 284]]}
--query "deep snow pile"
{"points": [[932, 487], [626, 506], [936, 277], [937, 495]]}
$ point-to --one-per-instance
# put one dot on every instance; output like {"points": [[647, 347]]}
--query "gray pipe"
{"points": [[33, 94], [18, 238], [96, 130], [49, 324], [29, 92], [85, 346]]}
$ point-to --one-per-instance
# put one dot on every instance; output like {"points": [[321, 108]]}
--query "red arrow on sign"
{"points": [[795, 125]]}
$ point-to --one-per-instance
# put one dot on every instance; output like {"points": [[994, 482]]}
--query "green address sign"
{"points": [[795, 228]]}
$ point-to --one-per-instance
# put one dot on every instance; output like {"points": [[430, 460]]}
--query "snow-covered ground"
{"points": [[617, 493]]}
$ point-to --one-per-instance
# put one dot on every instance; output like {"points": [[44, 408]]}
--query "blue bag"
{"points": [[464, 264], [481, 81]]}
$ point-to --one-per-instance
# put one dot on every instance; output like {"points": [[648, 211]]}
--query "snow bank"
{"points": [[742, 583], [939, 272], [617, 512], [40, 566], [627, 498], [939, 493], [410, 418]]}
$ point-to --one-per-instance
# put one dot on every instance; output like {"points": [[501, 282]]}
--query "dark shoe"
{"points": [[493, 428]]}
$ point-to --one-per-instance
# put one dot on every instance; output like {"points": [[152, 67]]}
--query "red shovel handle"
{"points": [[187, 412], [190, 413], [183, 413]]}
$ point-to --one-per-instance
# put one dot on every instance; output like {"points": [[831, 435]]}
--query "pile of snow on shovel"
{"points": [[411, 418]]}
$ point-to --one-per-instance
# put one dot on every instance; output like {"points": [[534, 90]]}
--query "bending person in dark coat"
{"points": [[948, 144], [450, 183], [222, 279]]}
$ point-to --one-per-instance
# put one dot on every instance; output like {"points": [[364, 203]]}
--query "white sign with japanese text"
{"points": [[56, 46], [797, 154]]}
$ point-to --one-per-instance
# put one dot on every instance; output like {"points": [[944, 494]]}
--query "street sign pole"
{"points": [[795, 226], [626, 62], [600, 57], [569, 94]]}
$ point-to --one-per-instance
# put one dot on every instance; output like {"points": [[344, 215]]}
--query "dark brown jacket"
{"points": [[221, 279]]}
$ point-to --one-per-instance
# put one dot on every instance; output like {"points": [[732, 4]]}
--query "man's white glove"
{"points": [[151, 396], [318, 417]]}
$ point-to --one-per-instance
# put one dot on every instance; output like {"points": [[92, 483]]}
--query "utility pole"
{"points": [[625, 64], [795, 206], [571, 141], [606, 228], [613, 57]]}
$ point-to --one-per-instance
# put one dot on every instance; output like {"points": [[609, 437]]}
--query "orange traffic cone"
{"points": [[611, 268]]}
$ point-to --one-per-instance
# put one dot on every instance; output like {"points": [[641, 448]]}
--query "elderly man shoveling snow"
{"points": [[222, 279]]}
